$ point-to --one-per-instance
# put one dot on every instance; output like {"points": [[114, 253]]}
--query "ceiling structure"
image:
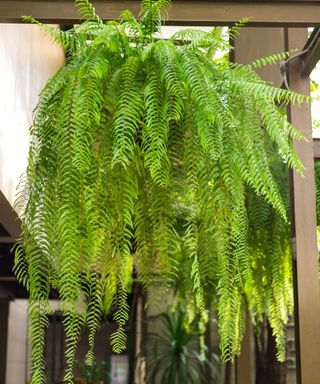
{"points": [[296, 13]]}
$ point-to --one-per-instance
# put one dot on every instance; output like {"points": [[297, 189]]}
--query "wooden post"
{"points": [[140, 361], [305, 253], [244, 363], [4, 313], [251, 44]]}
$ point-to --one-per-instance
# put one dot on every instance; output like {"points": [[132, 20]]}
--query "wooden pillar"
{"points": [[244, 363], [305, 253], [252, 44], [140, 360], [4, 313]]}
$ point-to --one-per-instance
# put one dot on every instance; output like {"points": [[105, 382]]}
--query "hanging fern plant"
{"points": [[130, 134]]}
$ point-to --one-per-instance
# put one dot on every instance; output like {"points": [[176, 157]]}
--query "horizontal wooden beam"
{"points": [[268, 13], [9, 220]]}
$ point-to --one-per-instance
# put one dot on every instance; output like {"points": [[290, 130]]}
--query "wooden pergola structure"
{"points": [[294, 17]]}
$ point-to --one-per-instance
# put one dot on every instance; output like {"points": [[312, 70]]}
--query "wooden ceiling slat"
{"points": [[268, 13]]}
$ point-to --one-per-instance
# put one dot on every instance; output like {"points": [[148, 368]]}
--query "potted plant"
{"points": [[174, 354], [95, 374]]}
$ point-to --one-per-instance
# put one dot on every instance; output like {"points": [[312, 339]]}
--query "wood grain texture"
{"points": [[276, 13], [307, 305]]}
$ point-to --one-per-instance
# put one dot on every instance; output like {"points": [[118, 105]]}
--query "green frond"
{"points": [[129, 112], [87, 11], [188, 35], [128, 20], [65, 39], [268, 60], [155, 133], [38, 322], [152, 8], [119, 338], [73, 323], [152, 15], [234, 31], [191, 242], [94, 313], [20, 268]]}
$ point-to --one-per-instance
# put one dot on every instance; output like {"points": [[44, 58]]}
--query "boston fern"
{"points": [[130, 134]]}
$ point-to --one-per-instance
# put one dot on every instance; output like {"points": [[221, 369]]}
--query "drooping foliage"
{"points": [[269, 289], [133, 136]]}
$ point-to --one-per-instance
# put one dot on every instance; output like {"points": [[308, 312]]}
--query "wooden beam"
{"points": [[311, 58], [251, 44], [268, 13], [254, 43], [9, 220], [305, 253], [244, 363]]}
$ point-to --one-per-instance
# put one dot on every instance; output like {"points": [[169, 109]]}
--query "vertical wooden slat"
{"points": [[305, 260]]}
